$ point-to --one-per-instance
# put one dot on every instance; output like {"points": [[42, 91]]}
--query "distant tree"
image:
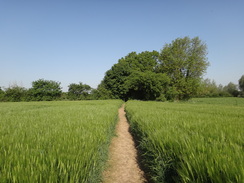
{"points": [[116, 79], [64, 96], [184, 61], [231, 88], [241, 86], [78, 91], [179, 66], [2, 93], [101, 93], [45, 90], [146, 85], [241, 83], [209, 88], [15, 94]]}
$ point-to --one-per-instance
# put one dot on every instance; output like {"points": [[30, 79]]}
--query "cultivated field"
{"points": [[197, 141], [55, 141]]}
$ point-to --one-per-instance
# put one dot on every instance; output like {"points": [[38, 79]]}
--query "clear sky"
{"points": [[73, 41]]}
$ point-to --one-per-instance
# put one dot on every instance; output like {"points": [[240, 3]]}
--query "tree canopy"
{"points": [[78, 91], [15, 93], [241, 83], [45, 90], [184, 61], [231, 88], [146, 85], [2, 93], [134, 77], [175, 72]]}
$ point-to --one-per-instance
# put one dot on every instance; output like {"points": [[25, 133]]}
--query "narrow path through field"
{"points": [[122, 164]]}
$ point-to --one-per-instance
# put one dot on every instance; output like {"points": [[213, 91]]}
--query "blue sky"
{"points": [[78, 41]]}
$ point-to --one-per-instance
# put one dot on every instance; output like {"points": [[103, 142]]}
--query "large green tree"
{"points": [[174, 73], [45, 90], [184, 61], [146, 85], [78, 91], [134, 77], [241, 83], [209, 88], [101, 93], [231, 88], [1, 94], [15, 94]]}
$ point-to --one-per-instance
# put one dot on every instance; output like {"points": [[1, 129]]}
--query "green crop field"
{"points": [[55, 141], [197, 141]]}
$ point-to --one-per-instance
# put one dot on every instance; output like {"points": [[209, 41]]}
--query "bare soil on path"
{"points": [[122, 163]]}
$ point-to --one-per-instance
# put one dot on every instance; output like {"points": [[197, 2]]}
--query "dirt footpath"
{"points": [[122, 164]]}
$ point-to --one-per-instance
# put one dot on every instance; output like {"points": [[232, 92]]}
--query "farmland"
{"points": [[196, 141], [67, 141], [55, 141]]}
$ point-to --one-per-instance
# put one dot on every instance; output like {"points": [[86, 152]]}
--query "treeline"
{"points": [[209, 88], [174, 73], [48, 90]]}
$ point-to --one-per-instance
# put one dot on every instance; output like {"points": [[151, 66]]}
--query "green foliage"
{"points": [[161, 98], [175, 73], [56, 141], [134, 77], [171, 93], [64, 96], [241, 83], [146, 85], [241, 94], [101, 93], [2, 93], [14, 94], [184, 61], [231, 88], [78, 91], [209, 88], [196, 141], [45, 90], [115, 78]]}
